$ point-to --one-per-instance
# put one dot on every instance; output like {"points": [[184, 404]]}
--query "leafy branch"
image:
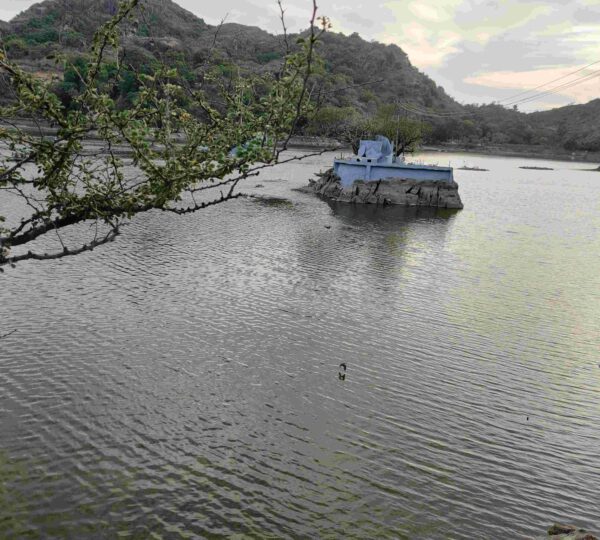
{"points": [[183, 143]]}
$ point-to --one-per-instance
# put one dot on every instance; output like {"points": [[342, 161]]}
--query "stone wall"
{"points": [[399, 191]]}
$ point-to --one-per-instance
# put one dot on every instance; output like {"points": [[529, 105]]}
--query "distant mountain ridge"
{"points": [[361, 75], [68, 25], [86, 15], [576, 126]]}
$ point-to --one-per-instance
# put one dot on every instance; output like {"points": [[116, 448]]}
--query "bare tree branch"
{"points": [[66, 252], [191, 209], [307, 72], [285, 32]]}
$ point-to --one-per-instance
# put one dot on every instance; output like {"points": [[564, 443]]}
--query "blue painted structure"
{"points": [[375, 161]]}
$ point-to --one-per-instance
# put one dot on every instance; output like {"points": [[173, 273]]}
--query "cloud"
{"points": [[357, 20], [10, 8], [423, 47], [498, 16], [437, 31], [525, 45], [423, 29], [425, 12], [585, 90]]}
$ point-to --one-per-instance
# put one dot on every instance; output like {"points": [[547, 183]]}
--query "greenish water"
{"points": [[182, 382]]}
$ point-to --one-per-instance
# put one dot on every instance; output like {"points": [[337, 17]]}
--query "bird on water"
{"points": [[342, 372]]}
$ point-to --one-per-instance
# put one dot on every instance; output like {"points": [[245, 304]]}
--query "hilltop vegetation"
{"points": [[575, 127], [359, 81]]}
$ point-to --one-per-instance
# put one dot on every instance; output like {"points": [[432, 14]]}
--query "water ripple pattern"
{"points": [[182, 382]]}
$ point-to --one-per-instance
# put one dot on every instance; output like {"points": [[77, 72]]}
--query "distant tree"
{"points": [[333, 121], [350, 126], [406, 134], [353, 132], [50, 186]]}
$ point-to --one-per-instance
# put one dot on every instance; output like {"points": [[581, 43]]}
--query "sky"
{"points": [[480, 51]]}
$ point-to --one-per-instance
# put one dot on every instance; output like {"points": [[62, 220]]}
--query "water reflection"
{"points": [[370, 214]]}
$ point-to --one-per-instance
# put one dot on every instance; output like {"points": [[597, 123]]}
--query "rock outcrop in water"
{"points": [[398, 191], [569, 532]]}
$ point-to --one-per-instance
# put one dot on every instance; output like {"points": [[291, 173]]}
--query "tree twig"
{"points": [[112, 234]]}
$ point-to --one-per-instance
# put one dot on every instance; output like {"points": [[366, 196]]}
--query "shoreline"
{"points": [[313, 143], [530, 152], [527, 152]]}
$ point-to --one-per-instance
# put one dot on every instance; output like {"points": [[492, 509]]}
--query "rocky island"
{"points": [[376, 174], [387, 191]]}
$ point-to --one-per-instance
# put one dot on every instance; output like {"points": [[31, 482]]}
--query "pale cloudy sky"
{"points": [[479, 50]]}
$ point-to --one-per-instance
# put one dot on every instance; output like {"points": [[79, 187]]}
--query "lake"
{"points": [[182, 382]]}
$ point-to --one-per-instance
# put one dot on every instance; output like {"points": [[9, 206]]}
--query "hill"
{"points": [[360, 76], [574, 127], [360, 71], [53, 20]]}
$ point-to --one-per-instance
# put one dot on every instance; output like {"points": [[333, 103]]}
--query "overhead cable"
{"points": [[510, 98]]}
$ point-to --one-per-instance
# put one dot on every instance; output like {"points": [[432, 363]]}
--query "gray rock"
{"points": [[569, 532], [398, 191]]}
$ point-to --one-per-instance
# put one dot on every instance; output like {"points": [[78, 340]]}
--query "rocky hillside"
{"points": [[360, 76], [360, 72], [575, 127], [53, 20], [365, 72]]}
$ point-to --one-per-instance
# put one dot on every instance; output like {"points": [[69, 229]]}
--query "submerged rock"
{"points": [[478, 169], [569, 532], [398, 191], [272, 201]]}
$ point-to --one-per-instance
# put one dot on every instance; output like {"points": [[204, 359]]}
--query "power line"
{"points": [[550, 91], [423, 112], [510, 98], [557, 89], [415, 109]]}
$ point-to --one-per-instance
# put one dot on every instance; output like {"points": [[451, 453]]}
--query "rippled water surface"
{"points": [[182, 382]]}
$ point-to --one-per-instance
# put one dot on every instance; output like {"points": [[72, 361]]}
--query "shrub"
{"points": [[16, 46], [41, 30], [44, 35], [266, 57]]}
